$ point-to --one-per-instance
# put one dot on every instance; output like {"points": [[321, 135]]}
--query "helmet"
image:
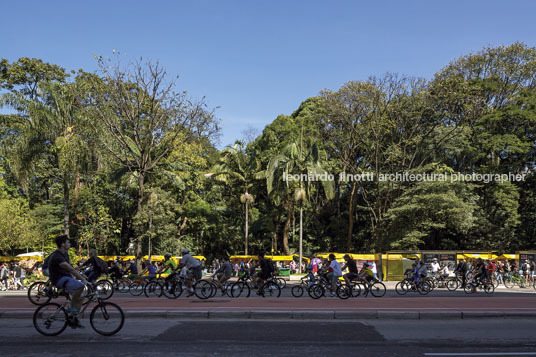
{"points": [[346, 256], [167, 256], [185, 251]]}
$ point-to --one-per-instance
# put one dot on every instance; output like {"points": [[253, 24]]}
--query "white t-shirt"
{"points": [[373, 268], [336, 268], [190, 261], [435, 267]]}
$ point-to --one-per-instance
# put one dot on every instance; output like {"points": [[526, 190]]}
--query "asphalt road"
{"points": [[154, 337]]}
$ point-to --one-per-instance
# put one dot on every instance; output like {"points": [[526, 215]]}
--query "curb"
{"points": [[309, 315]]}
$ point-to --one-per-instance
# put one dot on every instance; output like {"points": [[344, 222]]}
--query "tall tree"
{"points": [[143, 117], [238, 168]]}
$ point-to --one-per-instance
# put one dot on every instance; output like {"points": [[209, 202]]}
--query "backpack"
{"points": [[101, 265]]}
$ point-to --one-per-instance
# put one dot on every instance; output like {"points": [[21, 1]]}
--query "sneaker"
{"points": [[189, 293], [333, 294]]}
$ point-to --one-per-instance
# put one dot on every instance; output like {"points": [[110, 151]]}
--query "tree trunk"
{"points": [[301, 238], [141, 183], [65, 208], [351, 219], [246, 238], [150, 234], [286, 249]]}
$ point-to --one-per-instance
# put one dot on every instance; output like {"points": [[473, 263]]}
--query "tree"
{"points": [[52, 138], [237, 168], [140, 117], [295, 160]]}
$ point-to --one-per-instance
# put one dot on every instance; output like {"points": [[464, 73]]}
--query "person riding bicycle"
{"points": [[193, 266], [420, 271], [267, 268], [223, 273], [61, 272], [170, 266], [115, 272], [96, 268], [132, 268], [481, 272], [334, 274], [435, 267], [367, 274], [352, 269]]}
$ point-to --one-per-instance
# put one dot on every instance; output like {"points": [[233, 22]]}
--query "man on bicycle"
{"points": [[352, 269], [267, 268], [193, 266], [96, 269], [61, 272], [223, 273]]}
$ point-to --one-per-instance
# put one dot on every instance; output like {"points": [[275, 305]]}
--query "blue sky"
{"points": [[258, 59]]}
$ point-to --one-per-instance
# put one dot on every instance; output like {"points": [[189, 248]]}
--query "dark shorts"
{"points": [[264, 276], [351, 276], [197, 272], [69, 284]]}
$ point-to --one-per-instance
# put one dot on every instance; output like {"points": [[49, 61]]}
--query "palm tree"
{"points": [[295, 160], [237, 167]]}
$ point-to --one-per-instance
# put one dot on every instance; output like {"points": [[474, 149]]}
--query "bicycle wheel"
{"points": [[509, 283], [172, 290], [240, 289], [50, 319], [270, 289], [105, 289], [316, 291], [281, 282], [452, 284], [424, 288], [378, 289], [152, 288], [136, 288], [297, 291], [344, 291], [468, 288], [203, 289], [489, 289], [215, 289], [107, 318], [38, 293], [356, 290], [123, 285], [401, 288]]}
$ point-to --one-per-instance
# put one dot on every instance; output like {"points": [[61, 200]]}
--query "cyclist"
{"points": [[132, 268], [193, 266], [335, 273], [169, 265], [352, 269], [95, 270], [61, 270], [435, 267], [461, 269], [115, 272], [150, 269], [367, 274], [223, 273], [267, 268], [481, 273]]}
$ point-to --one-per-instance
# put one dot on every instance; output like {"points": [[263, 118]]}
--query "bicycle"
{"points": [[242, 286], [409, 285], [106, 318], [515, 279], [297, 290], [483, 284]]}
